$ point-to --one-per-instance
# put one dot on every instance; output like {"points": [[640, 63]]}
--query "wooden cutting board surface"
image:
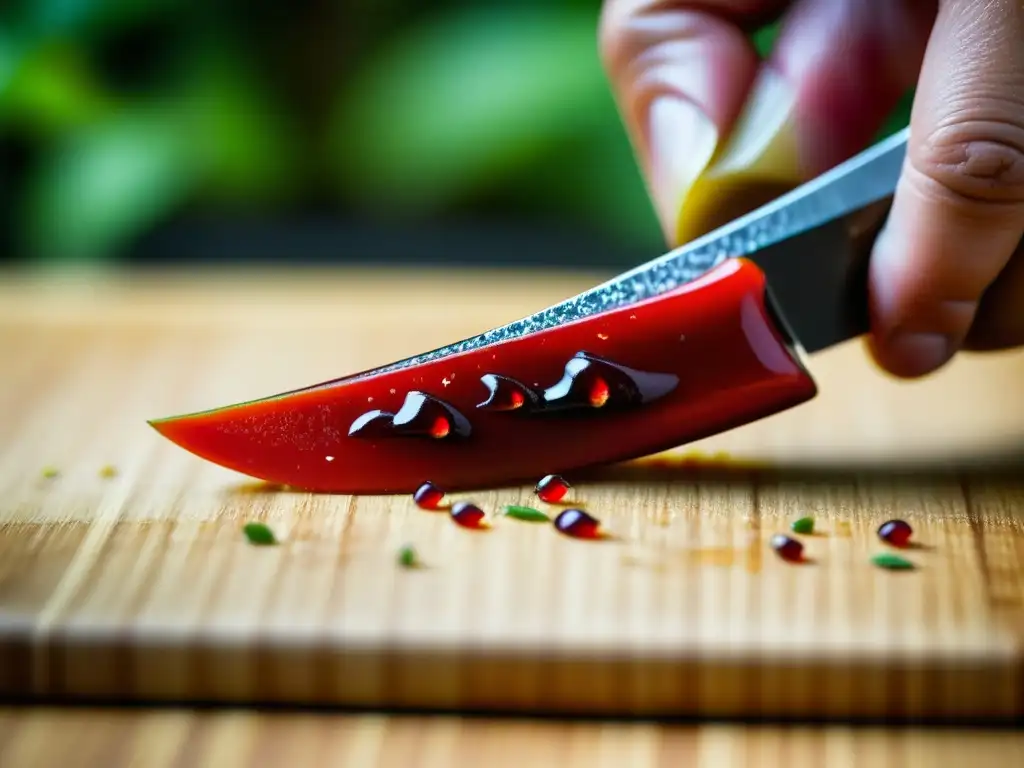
{"points": [[140, 586], [119, 738]]}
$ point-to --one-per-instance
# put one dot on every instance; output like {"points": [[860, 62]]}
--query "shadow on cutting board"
{"points": [[1002, 467], [1006, 468]]}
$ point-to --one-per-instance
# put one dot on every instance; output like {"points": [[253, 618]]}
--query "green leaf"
{"points": [[259, 533], [104, 185], [598, 179], [49, 90], [764, 39], [12, 51], [407, 557], [61, 16], [457, 106], [67, 18], [900, 116], [247, 149], [892, 562], [526, 514], [803, 525]]}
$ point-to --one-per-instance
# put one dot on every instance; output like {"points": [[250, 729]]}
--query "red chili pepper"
{"points": [[700, 359]]}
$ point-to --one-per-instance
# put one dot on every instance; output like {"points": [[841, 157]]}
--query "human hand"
{"points": [[947, 271]]}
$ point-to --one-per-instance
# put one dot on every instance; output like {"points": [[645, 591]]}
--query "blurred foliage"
{"points": [[118, 115], [490, 103], [130, 111], [104, 182]]}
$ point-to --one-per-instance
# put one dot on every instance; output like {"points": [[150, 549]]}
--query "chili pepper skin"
{"points": [[694, 361]]}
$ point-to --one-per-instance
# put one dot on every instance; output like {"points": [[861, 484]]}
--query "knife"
{"points": [[703, 339]]}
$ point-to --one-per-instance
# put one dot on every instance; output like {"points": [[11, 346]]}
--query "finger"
{"points": [[999, 321], [680, 73], [958, 212], [850, 62], [837, 70]]}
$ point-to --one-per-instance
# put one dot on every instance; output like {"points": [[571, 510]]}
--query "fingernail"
{"points": [[915, 354], [903, 352], [682, 143]]}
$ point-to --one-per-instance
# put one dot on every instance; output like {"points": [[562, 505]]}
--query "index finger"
{"points": [[680, 73]]}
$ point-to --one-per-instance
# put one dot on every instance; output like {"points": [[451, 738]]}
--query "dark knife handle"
{"points": [[700, 359]]}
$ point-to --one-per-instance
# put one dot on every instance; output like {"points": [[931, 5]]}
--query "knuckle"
{"points": [[613, 35], [975, 161], [630, 29]]}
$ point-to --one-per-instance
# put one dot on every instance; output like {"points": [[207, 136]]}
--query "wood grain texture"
{"points": [[140, 586], [232, 739]]}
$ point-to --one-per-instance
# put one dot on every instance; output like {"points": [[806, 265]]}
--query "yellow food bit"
{"points": [[50, 472], [108, 470], [756, 163]]}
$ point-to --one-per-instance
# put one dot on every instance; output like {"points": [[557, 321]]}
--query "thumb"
{"points": [[958, 212]]}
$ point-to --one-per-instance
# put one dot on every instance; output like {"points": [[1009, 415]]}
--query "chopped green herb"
{"points": [[258, 533], [50, 472], [803, 525], [407, 557], [892, 562], [527, 514]]}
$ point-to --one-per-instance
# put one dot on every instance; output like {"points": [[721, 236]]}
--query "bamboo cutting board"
{"points": [[118, 738], [139, 586]]}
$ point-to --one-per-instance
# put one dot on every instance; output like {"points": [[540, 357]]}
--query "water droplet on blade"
{"points": [[591, 382], [427, 416], [372, 424], [505, 394]]}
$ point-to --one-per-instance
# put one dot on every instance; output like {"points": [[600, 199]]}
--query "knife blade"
{"points": [[705, 338]]}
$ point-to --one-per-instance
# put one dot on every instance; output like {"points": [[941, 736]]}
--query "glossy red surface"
{"points": [[787, 548], [467, 514], [714, 335], [552, 489], [578, 524], [896, 532], [428, 496]]}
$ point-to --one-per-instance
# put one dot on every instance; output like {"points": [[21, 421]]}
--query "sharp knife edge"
{"points": [[763, 234]]}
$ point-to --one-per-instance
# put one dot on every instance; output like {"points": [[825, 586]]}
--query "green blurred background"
{"points": [[331, 130]]}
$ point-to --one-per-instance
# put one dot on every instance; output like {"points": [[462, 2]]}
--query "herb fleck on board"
{"points": [[526, 514], [259, 534], [892, 562]]}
